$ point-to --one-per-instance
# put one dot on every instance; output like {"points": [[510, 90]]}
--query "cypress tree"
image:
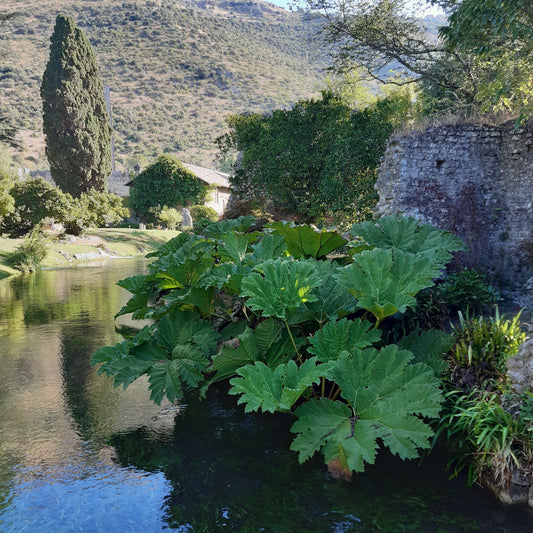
{"points": [[75, 119]]}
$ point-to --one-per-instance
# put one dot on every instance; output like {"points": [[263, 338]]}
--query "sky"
{"points": [[429, 10]]}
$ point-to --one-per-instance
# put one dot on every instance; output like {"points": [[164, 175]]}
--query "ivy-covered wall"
{"points": [[475, 180]]}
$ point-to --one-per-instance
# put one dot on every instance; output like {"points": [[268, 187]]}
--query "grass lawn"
{"points": [[94, 244]]}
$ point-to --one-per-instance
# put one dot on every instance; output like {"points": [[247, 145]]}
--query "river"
{"points": [[78, 455]]}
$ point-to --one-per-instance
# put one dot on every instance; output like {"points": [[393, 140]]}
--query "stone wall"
{"points": [[477, 181]]}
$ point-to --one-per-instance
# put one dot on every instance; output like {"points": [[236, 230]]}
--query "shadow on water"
{"points": [[231, 471]]}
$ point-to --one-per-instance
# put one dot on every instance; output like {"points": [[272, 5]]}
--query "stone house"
{"points": [[119, 182]]}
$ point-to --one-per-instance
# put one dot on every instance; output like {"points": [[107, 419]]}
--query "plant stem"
{"points": [[293, 343], [323, 390]]}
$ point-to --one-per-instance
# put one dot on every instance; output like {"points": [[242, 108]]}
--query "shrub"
{"points": [[486, 438], [30, 254], [291, 317], [170, 217], [94, 209], [34, 200], [202, 211], [468, 290]]}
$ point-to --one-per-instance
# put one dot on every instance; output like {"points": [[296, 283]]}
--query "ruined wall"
{"points": [[475, 180]]}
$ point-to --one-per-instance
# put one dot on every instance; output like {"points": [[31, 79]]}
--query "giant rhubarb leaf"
{"points": [[178, 328], [278, 287], [408, 235], [384, 395], [344, 335], [278, 389], [332, 300], [306, 241], [385, 282]]}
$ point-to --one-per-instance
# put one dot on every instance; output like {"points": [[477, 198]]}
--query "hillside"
{"points": [[175, 68]]}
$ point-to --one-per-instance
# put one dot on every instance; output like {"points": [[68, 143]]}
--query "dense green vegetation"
{"points": [[165, 183], [483, 64], [294, 330], [76, 122], [175, 69], [317, 160]]}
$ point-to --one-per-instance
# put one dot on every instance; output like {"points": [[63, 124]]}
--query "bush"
{"points": [[30, 254], [468, 290], [202, 211], [170, 217], [34, 200], [94, 209]]}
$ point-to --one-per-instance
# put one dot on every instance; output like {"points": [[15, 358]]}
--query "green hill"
{"points": [[175, 68]]}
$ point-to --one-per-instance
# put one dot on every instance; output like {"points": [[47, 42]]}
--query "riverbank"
{"points": [[96, 244]]}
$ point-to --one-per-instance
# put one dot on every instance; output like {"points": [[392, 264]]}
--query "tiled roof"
{"points": [[209, 176]]}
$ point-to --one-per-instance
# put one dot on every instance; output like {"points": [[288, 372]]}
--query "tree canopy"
{"points": [[479, 59], [75, 118], [317, 159]]}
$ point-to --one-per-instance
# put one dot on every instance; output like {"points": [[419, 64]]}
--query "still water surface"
{"points": [[78, 455]]}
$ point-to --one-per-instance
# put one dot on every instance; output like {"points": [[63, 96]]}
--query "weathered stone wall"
{"points": [[477, 181]]}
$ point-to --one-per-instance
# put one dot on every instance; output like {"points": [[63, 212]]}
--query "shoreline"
{"points": [[96, 245]]}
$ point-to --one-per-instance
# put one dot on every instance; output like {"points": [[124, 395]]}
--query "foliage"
{"points": [[202, 211], [499, 32], [317, 159], [166, 182], [75, 118], [487, 438], [7, 202], [95, 209], [34, 200], [276, 314], [479, 61], [30, 254], [467, 290], [170, 217], [483, 346]]}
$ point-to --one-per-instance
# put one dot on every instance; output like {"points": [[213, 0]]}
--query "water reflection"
{"points": [[78, 455]]}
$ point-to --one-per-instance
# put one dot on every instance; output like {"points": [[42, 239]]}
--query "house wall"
{"points": [[220, 199], [474, 180]]}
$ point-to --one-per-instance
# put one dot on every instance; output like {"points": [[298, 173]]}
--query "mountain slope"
{"points": [[175, 68]]}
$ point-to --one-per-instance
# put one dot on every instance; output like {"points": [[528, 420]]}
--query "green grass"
{"points": [[117, 242]]}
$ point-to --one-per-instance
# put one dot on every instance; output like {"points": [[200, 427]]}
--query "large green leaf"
{"points": [[142, 288], [408, 235], [330, 426], [275, 390], [333, 301], [278, 287], [269, 247], [385, 282], [234, 246], [384, 394], [241, 224], [306, 241], [179, 328], [165, 380], [344, 335], [234, 354]]}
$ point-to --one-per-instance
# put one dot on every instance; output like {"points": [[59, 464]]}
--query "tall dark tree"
{"points": [[76, 122]]}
